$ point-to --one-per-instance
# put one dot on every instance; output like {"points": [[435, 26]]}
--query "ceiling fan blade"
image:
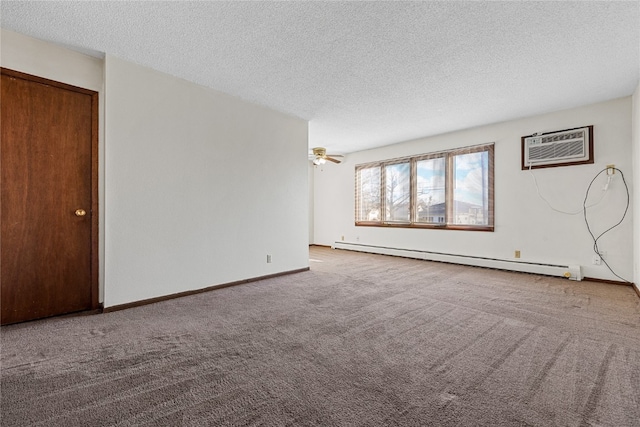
{"points": [[335, 155], [331, 159]]}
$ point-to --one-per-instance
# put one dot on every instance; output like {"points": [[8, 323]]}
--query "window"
{"points": [[450, 190], [368, 184], [397, 192], [470, 190], [430, 190]]}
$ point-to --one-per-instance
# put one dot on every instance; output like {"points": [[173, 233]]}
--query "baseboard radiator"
{"points": [[571, 272]]}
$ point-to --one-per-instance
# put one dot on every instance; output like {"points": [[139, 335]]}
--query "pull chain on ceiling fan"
{"points": [[320, 156]]}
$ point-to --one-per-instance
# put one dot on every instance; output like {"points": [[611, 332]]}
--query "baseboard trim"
{"points": [[91, 312], [610, 282], [637, 289], [198, 291], [320, 246]]}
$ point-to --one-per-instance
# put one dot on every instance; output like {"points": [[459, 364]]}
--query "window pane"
{"points": [[368, 197], [430, 182], [471, 189], [397, 192]]}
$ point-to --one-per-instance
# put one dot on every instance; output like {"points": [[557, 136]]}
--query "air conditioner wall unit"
{"points": [[560, 148]]}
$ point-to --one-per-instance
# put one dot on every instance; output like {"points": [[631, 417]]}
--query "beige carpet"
{"points": [[360, 340]]}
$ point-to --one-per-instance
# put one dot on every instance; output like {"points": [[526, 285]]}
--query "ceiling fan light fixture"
{"points": [[321, 156]]}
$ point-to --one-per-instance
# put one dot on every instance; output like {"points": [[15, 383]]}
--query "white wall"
{"points": [[200, 187], [636, 186], [39, 58], [196, 187], [311, 209], [522, 220], [33, 56]]}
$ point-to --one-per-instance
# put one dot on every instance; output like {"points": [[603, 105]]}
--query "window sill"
{"points": [[489, 228]]}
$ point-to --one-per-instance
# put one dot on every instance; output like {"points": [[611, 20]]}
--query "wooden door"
{"points": [[48, 198]]}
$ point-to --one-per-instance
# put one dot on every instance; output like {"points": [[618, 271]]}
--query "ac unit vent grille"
{"points": [[558, 148], [556, 151], [563, 136]]}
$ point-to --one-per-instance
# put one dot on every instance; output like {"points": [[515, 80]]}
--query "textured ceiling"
{"points": [[367, 74]]}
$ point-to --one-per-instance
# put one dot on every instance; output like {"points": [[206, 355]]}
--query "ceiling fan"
{"points": [[320, 156]]}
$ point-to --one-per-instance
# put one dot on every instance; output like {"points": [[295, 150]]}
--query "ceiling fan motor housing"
{"points": [[320, 152]]}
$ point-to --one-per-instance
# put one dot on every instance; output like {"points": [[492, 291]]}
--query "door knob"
{"points": [[80, 212]]}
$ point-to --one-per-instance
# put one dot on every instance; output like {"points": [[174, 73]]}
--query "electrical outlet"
{"points": [[597, 260], [603, 254], [268, 259], [611, 169], [357, 238], [342, 238], [517, 254]]}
